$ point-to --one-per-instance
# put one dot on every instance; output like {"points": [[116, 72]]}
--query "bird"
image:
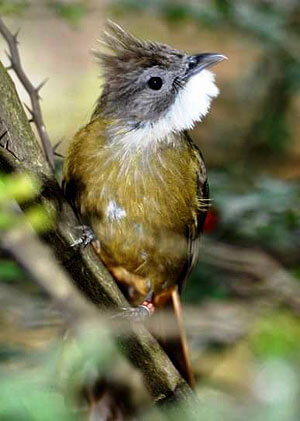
{"points": [[133, 174]]}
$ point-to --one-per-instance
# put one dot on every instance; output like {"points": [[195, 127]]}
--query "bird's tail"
{"points": [[175, 344]]}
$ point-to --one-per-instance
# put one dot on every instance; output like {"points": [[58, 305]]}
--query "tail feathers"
{"points": [[181, 340], [176, 345]]}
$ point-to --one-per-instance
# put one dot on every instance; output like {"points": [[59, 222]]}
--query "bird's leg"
{"points": [[86, 238], [139, 313], [147, 304]]}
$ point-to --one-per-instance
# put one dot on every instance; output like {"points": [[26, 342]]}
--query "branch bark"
{"points": [[35, 112], [20, 152]]}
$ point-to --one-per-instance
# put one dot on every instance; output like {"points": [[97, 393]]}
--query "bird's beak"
{"points": [[198, 62]]}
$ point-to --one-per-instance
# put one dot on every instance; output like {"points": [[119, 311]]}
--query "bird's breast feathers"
{"points": [[157, 186], [140, 203]]}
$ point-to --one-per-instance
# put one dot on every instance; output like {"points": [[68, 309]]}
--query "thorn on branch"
{"points": [[41, 85], [59, 155], [9, 56], [15, 36], [3, 134], [5, 145], [29, 110], [57, 144], [55, 147], [35, 110]]}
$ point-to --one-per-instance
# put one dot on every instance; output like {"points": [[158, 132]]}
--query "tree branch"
{"points": [[83, 267], [33, 92]]}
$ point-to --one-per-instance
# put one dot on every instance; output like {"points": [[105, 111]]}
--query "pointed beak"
{"points": [[199, 62]]}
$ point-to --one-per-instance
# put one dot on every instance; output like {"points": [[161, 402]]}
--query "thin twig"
{"points": [[55, 147], [35, 112]]}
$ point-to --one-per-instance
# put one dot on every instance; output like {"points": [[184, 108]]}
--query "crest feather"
{"points": [[125, 47], [117, 39]]}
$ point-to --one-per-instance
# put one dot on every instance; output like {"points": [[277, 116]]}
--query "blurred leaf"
{"points": [[13, 7], [223, 6], [267, 26], [125, 6], [71, 12], [7, 220], [27, 396], [265, 212], [276, 335], [39, 218], [20, 187], [175, 12], [205, 282], [9, 271]]}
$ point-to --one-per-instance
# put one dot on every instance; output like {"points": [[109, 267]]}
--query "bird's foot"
{"points": [[86, 238], [138, 314]]}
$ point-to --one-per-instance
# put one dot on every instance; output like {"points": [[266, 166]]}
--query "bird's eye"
{"points": [[192, 62], [155, 83]]}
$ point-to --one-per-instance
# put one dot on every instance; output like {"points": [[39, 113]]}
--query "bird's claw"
{"points": [[136, 314], [86, 238]]}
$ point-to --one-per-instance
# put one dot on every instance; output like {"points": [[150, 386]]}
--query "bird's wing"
{"points": [[194, 231], [177, 347], [76, 173]]}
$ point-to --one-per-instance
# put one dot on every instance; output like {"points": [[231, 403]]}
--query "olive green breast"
{"points": [[139, 202]]}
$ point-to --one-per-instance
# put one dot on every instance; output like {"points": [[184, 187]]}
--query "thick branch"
{"points": [[36, 112], [83, 267]]}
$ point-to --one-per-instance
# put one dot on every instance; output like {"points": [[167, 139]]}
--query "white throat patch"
{"points": [[192, 102], [191, 105]]}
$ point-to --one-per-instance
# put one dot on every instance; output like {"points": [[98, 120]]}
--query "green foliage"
{"points": [[28, 395], [276, 335], [175, 12], [262, 212], [10, 271], [38, 218], [265, 212], [27, 399], [205, 283], [13, 7], [21, 188], [71, 12], [37, 390], [126, 6]]}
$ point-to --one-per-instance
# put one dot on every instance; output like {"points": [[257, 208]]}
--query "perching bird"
{"points": [[133, 173]]}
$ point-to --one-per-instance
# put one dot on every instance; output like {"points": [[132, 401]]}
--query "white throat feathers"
{"points": [[190, 106]]}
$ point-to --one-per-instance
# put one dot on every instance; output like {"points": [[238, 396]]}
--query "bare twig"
{"points": [[33, 92], [56, 146]]}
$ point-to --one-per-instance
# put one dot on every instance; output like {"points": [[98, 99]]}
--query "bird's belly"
{"points": [[149, 249], [147, 237], [142, 217]]}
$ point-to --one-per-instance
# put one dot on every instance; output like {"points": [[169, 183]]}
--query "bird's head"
{"points": [[148, 83]]}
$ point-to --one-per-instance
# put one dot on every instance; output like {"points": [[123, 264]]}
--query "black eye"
{"points": [[192, 62], [155, 83]]}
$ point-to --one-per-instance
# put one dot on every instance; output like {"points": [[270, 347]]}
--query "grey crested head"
{"points": [[152, 84]]}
